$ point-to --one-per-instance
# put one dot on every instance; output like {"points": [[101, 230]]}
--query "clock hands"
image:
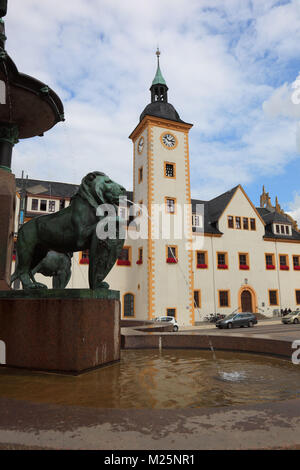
{"points": [[169, 140]]}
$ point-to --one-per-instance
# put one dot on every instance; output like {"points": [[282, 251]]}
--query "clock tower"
{"points": [[161, 182]]}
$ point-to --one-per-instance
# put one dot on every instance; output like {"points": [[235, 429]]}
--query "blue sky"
{"points": [[230, 66]]}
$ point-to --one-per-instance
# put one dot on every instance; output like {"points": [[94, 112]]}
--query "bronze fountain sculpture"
{"points": [[72, 229], [56, 265]]}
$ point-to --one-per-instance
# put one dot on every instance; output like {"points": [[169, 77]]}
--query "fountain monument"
{"points": [[61, 330]]}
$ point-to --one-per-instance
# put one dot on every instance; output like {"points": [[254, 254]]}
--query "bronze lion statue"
{"points": [[56, 265], [73, 229]]}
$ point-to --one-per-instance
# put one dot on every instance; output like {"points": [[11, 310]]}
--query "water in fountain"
{"points": [[168, 379]]}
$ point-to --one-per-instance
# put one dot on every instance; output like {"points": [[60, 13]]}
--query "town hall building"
{"points": [[231, 256]]}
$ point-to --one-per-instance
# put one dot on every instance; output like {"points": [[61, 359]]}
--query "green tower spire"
{"points": [[158, 79]]}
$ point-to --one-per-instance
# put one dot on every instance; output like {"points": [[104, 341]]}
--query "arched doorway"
{"points": [[246, 301], [246, 295]]}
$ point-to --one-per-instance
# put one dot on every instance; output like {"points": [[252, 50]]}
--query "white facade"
{"points": [[240, 252]]}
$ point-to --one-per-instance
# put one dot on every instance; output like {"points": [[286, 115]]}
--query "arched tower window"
{"points": [[128, 305]]}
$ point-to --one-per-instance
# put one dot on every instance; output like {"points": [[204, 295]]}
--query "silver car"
{"points": [[293, 317], [170, 320]]}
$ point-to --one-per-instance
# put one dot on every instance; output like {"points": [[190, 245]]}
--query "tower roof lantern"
{"points": [[159, 106], [158, 79]]}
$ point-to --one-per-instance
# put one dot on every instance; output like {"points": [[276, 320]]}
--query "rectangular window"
{"points": [[84, 259], [222, 260], [245, 223], [171, 312], [34, 204], [124, 255], [170, 170], [172, 255], [128, 305], [252, 224], [282, 229], [170, 205], [124, 258], [298, 297], [62, 204], [270, 261], [244, 260], [273, 298], [296, 262], [197, 298], [284, 262], [238, 222], [140, 174], [51, 206], [43, 205], [230, 221], [277, 229], [201, 259], [224, 298], [287, 230], [140, 259]]}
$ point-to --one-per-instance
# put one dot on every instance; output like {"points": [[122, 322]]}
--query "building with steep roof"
{"points": [[198, 257]]}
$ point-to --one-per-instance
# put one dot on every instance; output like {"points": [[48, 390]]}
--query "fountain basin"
{"points": [[168, 379]]}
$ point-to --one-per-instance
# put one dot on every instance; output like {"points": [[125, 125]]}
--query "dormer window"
{"points": [[282, 229]]}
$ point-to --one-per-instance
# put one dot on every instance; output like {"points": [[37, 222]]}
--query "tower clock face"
{"points": [[169, 140], [141, 145]]}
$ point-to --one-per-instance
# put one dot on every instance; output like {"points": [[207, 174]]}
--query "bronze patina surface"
{"points": [[57, 266], [73, 229]]}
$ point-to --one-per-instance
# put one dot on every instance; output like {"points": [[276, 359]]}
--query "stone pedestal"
{"points": [[7, 213], [67, 331]]}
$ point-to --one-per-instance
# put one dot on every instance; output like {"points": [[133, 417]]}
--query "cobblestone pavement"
{"points": [[25, 425]]}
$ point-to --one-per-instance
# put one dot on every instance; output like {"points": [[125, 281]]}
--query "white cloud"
{"points": [[99, 57], [284, 101]]}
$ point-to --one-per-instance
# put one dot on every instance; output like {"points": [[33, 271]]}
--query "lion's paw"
{"points": [[103, 285], [37, 285]]}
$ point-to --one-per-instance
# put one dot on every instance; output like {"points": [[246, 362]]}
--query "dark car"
{"points": [[235, 320]]}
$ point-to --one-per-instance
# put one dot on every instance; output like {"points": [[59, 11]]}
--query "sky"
{"points": [[232, 68]]}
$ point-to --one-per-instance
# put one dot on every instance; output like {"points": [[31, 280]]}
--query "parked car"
{"points": [[293, 317], [170, 320], [235, 320]]}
